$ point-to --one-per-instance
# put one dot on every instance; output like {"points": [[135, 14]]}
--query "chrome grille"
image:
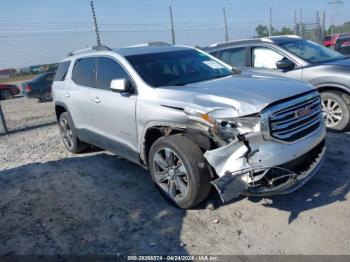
{"points": [[295, 119]]}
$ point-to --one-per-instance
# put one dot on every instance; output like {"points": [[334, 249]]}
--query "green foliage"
{"points": [[344, 28], [263, 31]]}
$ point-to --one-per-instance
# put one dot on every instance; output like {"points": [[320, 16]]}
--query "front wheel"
{"points": [[179, 169], [335, 111]]}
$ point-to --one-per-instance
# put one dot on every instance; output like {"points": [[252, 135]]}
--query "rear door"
{"points": [[114, 112], [237, 56], [78, 94]]}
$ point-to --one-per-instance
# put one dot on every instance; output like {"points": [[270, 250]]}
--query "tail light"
{"points": [[28, 89]]}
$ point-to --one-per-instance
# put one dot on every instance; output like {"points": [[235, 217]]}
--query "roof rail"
{"points": [[156, 43], [93, 48]]}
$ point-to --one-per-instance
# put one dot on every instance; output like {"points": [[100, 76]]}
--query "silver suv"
{"points": [[192, 120]]}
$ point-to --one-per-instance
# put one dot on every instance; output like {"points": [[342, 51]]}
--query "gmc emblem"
{"points": [[302, 112]]}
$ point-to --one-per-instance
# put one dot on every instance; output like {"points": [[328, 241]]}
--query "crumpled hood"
{"points": [[247, 93]]}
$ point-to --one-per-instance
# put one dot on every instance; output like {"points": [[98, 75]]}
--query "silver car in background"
{"points": [[192, 120]]}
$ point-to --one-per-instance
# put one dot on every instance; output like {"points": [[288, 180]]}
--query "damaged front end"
{"points": [[274, 152]]}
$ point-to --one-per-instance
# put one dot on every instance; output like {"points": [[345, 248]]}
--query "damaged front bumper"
{"points": [[266, 167]]}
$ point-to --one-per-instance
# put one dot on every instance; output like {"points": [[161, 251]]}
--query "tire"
{"points": [[335, 110], [45, 97], [5, 94], [187, 164], [68, 134]]}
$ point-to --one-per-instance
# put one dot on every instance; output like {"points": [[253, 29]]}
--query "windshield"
{"points": [[311, 52], [177, 68]]}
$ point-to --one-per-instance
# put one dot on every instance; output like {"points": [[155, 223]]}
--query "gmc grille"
{"points": [[296, 118]]}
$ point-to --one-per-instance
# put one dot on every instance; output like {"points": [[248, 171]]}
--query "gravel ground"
{"points": [[53, 202]]}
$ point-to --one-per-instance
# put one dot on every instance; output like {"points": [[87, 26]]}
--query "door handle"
{"points": [[97, 100], [67, 95]]}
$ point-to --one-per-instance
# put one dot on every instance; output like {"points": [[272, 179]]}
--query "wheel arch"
{"points": [[152, 133], [337, 88]]}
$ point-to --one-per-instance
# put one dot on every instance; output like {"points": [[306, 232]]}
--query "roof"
{"points": [[272, 39], [139, 50], [148, 48]]}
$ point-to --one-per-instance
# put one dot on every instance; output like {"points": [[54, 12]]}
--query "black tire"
{"points": [[5, 94], [46, 96], [329, 100], [69, 137], [191, 157]]}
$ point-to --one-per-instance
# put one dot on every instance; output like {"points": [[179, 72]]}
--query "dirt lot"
{"points": [[53, 202]]}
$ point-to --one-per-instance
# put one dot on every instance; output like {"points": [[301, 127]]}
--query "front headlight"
{"points": [[226, 121]]}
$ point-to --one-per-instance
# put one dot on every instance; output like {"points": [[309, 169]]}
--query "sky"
{"points": [[44, 31]]}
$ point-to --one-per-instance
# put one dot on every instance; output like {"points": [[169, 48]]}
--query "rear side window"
{"points": [[62, 71], [107, 70], [84, 72], [234, 56]]}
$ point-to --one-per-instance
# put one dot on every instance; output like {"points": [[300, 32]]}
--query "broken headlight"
{"points": [[226, 122]]}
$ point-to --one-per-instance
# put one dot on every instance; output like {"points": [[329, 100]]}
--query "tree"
{"points": [[262, 31], [286, 31]]}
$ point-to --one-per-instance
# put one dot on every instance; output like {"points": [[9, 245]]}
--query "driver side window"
{"points": [[263, 57]]}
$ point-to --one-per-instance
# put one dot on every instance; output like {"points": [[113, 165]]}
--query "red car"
{"points": [[7, 91], [330, 40]]}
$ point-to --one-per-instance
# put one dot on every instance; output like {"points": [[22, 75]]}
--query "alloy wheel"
{"points": [[332, 112], [170, 173], [66, 133]]}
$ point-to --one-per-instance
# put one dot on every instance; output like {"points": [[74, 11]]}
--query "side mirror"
{"points": [[123, 86], [285, 64], [119, 85]]}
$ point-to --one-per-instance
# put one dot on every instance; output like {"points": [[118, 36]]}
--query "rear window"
{"points": [[84, 72], [62, 71], [234, 56]]}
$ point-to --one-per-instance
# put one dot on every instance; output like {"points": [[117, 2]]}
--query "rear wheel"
{"points": [[69, 137], [46, 96], [5, 94], [335, 111], [178, 168]]}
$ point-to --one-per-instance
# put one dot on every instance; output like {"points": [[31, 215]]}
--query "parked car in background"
{"points": [[327, 70], [39, 87], [330, 40], [191, 120], [343, 45], [8, 91]]}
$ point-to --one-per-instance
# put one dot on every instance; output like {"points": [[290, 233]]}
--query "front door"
{"points": [[114, 113]]}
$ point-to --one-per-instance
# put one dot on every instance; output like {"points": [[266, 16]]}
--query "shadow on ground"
{"points": [[89, 205], [330, 185]]}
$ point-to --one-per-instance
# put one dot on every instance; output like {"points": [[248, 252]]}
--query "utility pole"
{"points": [[295, 23], [335, 5], [95, 22], [323, 24], [301, 23], [270, 22], [225, 22], [172, 29]]}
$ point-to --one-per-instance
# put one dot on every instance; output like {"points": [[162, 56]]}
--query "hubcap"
{"points": [[66, 133], [332, 112], [170, 173]]}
